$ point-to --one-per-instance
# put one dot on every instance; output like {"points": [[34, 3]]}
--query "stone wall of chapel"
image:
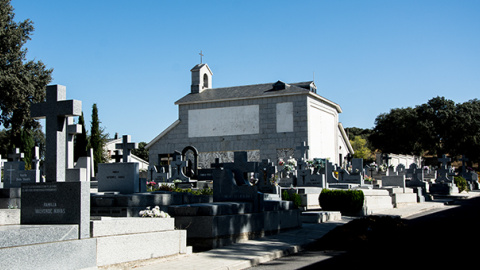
{"points": [[267, 141]]}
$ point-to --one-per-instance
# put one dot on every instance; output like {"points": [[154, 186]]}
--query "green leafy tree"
{"points": [[465, 131], [436, 121], [437, 127], [397, 132], [98, 138], [21, 82], [360, 149], [141, 151]]}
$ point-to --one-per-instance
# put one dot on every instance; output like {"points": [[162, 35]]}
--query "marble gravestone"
{"points": [[121, 177]]}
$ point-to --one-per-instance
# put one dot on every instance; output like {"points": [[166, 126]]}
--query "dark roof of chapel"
{"points": [[247, 91]]}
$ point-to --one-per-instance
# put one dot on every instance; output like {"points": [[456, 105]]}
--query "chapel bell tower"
{"points": [[201, 78]]}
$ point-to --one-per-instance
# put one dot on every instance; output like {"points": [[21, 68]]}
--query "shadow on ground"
{"points": [[442, 239]]}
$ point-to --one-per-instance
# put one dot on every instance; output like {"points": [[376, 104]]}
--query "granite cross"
{"points": [[177, 167], [266, 170], [464, 161], [386, 158], [36, 159], [444, 160], [126, 146], [72, 130], [16, 155], [117, 156], [55, 111], [303, 150], [240, 166]]}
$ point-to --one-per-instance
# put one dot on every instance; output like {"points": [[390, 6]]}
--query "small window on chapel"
{"points": [[205, 81]]}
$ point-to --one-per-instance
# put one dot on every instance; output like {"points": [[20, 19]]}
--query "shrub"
{"points": [[293, 196], [345, 201], [461, 183]]}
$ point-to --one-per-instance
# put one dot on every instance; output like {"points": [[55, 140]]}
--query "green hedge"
{"points": [[294, 197], [345, 201], [461, 183]]}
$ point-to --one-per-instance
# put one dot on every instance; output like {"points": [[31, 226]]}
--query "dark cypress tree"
{"points": [[97, 139]]}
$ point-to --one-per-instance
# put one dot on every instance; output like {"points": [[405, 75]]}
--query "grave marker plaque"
{"points": [[57, 203]]}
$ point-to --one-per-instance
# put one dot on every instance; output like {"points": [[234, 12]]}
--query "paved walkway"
{"points": [[253, 252]]}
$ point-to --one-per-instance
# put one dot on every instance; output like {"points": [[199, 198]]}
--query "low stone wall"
{"points": [[218, 224]]}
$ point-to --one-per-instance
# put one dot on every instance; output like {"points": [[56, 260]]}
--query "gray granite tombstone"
{"points": [[14, 171], [126, 146], [121, 177], [55, 111], [57, 203], [177, 168], [229, 184], [266, 171]]}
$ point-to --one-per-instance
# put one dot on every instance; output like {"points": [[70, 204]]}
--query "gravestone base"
{"points": [[219, 224], [123, 240], [443, 188], [376, 200], [9, 216], [402, 197], [320, 216], [46, 247], [128, 205], [10, 198]]}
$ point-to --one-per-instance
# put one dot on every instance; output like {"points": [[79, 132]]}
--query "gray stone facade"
{"points": [[262, 142]]}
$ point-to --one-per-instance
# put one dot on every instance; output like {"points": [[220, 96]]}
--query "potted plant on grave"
{"points": [[368, 179], [151, 186]]}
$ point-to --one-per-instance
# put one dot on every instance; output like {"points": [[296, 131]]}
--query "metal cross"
{"points": [[201, 57]]}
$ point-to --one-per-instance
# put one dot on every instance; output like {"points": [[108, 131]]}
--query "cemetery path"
{"points": [[434, 237], [446, 238]]}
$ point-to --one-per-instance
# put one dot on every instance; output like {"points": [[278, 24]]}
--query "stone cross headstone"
{"points": [[126, 146], [16, 155], [117, 156], [386, 158], [56, 201], [240, 166], [229, 184], [464, 163], [444, 173], [177, 168], [72, 130], [400, 169], [55, 111], [266, 171], [303, 150], [444, 160]]}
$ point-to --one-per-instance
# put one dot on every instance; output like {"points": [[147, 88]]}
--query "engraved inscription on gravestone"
{"points": [[57, 203]]}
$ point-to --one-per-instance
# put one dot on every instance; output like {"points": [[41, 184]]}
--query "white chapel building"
{"points": [[268, 121]]}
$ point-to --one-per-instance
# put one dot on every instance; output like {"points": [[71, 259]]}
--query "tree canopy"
{"points": [[21, 82], [437, 127]]}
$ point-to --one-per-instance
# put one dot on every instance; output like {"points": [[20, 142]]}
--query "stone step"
{"points": [[23, 235], [320, 216]]}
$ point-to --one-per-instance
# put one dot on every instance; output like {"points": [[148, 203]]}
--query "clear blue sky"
{"points": [[133, 58]]}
